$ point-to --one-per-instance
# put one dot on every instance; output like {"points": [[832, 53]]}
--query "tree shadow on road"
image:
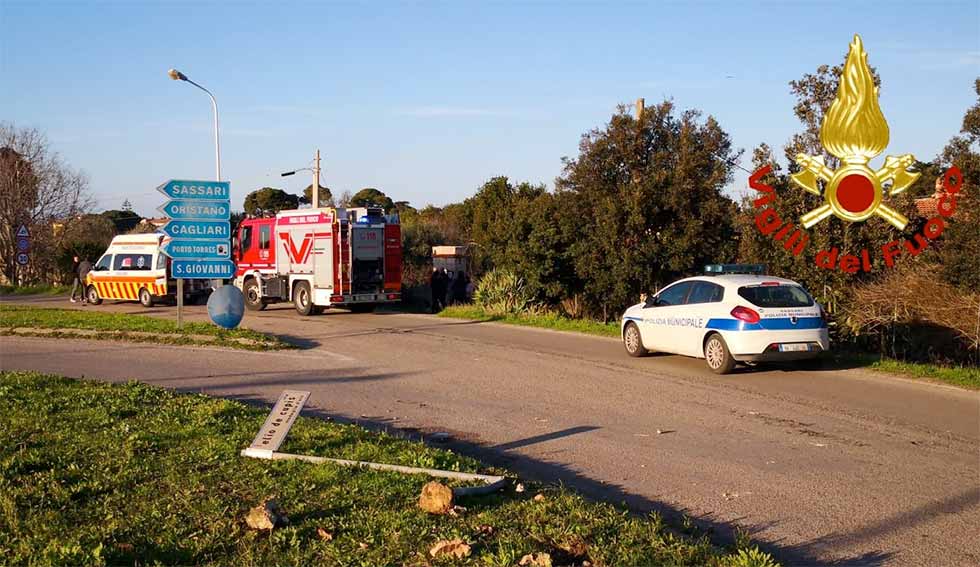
{"points": [[720, 532]]}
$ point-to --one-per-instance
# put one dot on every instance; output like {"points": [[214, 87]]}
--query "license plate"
{"points": [[364, 298], [794, 348]]}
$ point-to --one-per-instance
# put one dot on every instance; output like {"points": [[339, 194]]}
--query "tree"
{"points": [[36, 189], [269, 201], [123, 220], [370, 196], [960, 246], [325, 196], [647, 198]]}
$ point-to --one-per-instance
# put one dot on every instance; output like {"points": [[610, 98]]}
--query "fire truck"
{"points": [[319, 258]]}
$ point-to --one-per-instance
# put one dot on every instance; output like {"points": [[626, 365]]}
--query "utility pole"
{"points": [[316, 181]]}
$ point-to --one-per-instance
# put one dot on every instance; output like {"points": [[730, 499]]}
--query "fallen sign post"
{"points": [[284, 413]]}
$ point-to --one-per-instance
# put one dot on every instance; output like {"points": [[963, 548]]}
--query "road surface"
{"points": [[831, 466]]}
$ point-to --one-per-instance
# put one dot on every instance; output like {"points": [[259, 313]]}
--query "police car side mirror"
{"points": [[651, 302]]}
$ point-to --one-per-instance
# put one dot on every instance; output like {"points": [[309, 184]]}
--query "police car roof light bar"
{"points": [[716, 269]]}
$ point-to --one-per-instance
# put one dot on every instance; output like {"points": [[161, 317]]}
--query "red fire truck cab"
{"points": [[318, 258]]}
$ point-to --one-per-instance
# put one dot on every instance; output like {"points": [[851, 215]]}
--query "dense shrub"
{"points": [[911, 314], [502, 292]]}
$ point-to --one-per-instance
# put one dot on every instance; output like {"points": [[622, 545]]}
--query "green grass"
{"points": [[547, 321], [40, 289], [121, 325], [964, 376], [97, 474]]}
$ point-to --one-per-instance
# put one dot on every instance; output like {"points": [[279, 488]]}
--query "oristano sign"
{"points": [[855, 131]]}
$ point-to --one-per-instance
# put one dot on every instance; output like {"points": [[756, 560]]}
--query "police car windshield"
{"points": [[776, 295]]}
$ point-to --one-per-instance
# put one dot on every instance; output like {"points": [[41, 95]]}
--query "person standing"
{"points": [[84, 267], [437, 284], [74, 284]]}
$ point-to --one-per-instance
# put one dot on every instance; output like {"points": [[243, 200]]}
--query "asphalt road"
{"points": [[823, 466]]}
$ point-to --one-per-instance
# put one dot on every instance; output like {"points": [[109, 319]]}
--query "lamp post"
{"points": [[178, 76]]}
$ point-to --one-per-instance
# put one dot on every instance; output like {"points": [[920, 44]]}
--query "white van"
{"points": [[134, 269]]}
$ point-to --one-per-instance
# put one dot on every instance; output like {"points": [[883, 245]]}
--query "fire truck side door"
{"points": [[322, 263]]}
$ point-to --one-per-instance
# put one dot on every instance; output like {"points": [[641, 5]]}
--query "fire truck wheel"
{"points": [[93, 295], [253, 300], [146, 300], [303, 299]]}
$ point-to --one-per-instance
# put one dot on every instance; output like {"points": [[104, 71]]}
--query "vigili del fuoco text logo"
{"points": [[855, 131]]}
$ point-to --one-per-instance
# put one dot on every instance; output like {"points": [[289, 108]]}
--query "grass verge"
{"points": [[963, 376], [40, 289], [96, 474], [549, 321], [82, 323]]}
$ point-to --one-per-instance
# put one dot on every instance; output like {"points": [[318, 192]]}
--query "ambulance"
{"points": [[133, 268]]}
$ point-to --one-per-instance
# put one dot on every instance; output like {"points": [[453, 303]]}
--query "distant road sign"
{"points": [[187, 189], [197, 249], [22, 232], [203, 269], [23, 244], [198, 229], [23, 259], [196, 209]]}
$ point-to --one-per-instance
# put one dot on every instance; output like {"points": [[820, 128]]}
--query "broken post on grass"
{"points": [[273, 432]]}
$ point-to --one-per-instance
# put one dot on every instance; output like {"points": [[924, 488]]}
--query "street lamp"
{"points": [[178, 76], [315, 188]]}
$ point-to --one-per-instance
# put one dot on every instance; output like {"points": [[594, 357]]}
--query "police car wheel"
{"points": [[302, 299], [252, 298], [717, 356], [146, 300], [632, 341], [93, 295]]}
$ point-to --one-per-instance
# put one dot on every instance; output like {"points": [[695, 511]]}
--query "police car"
{"points": [[731, 314]]}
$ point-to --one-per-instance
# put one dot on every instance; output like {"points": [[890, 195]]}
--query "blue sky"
{"points": [[428, 100]]}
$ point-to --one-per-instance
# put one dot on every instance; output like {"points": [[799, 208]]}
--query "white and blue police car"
{"points": [[733, 313]]}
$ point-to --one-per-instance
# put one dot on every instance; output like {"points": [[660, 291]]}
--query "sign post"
{"points": [[200, 232]]}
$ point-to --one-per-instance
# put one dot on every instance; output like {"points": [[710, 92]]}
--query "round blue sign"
{"points": [[23, 244], [226, 306]]}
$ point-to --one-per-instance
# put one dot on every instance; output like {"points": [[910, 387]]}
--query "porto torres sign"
{"points": [[854, 130]]}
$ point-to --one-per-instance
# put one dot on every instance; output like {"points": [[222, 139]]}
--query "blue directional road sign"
{"points": [[187, 189], [198, 229], [181, 249], [203, 269], [196, 209]]}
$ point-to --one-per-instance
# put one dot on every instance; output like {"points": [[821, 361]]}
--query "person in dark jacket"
{"points": [[438, 286], [458, 291], [74, 283], [84, 267]]}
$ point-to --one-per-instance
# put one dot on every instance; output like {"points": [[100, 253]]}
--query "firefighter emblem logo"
{"points": [[854, 130]]}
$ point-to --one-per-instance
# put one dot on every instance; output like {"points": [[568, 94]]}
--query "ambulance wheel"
{"points": [[146, 300], [303, 299], [253, 300], [632, 340], [93, 295], [717, 355]]}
